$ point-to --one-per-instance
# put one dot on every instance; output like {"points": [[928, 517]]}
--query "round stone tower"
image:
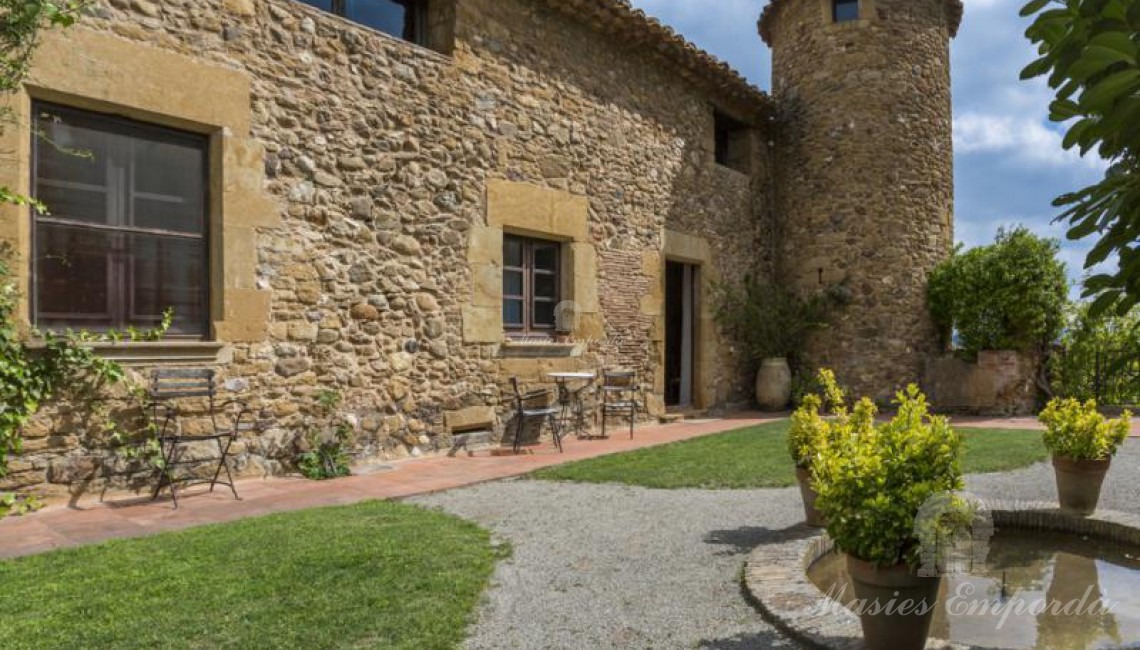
{"points": [[864, 174]]}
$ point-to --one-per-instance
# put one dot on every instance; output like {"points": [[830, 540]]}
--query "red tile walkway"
{"points": [[88, 520]]}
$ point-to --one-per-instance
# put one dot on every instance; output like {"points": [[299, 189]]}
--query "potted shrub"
{"points": [[872, 484], [810, 432], [772, 324], [1083, 443]]}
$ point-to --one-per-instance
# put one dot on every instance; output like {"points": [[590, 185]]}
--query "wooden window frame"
{"points": [[121, 281], [528, 327]]}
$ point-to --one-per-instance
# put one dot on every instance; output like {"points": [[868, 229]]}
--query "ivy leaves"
{"points": [[1090, 51]]}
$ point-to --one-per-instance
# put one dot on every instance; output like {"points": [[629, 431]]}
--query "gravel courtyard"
{"points": [[605, 566]]}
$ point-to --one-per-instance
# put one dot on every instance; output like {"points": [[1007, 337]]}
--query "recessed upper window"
{"points": [[531, 284], [406, 19], [733, 143], [125, 235], [843, 11]]}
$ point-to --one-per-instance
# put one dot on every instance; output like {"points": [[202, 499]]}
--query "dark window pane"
{"points": [[513, 313], [327, 5], [846, 10], [168, 273], [544, 314], [168, 194], [152, 178], [174, 214], [546, 257], [68, 149], [545, 286], [512, 252], [395, 17], [73, 276], [512, 283], [67, 202]]}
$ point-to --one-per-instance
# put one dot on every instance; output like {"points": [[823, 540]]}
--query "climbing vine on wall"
{"points": [[38, 367]]}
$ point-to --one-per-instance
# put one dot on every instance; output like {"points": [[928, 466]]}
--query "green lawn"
{"points": [[372, 575], [757, 457]]}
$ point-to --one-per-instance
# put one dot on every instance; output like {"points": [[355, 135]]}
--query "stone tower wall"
{"points": [[865, 175]]}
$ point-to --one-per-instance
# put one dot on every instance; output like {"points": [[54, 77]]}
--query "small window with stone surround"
{"points": [[732, 146], [843, 11], [410, 20], [531, 285]]}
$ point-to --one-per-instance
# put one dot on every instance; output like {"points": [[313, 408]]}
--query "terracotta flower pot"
{"points": [[897, 606], [1078, 483], [774, 384], [812, 516]]}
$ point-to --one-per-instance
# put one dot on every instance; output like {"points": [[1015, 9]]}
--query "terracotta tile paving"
{"points": [[88, 520]]}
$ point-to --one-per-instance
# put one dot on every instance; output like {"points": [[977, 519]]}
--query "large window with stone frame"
{"points": [[406, 19], [125, 233], [531, 285]]}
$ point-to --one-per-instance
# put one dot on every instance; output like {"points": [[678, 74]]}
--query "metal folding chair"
{"points": [[619, 390], [524, 412], [172, 385]]}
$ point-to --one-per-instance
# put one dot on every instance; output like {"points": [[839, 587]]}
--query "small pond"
{"points": [[1038, 591]]}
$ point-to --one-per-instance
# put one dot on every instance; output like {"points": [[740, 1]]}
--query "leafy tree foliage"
{"points": [[1090, 52], [1101, 358], [1010, 295], [768, 320], [21, 24]]}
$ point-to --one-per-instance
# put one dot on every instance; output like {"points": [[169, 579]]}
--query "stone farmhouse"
{"points": [[412, 201]]}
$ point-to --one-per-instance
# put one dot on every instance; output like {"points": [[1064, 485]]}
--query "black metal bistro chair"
{"points": [[526, 410], [619, 391], [170, 387]]}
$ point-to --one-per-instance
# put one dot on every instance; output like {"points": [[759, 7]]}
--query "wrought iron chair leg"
{"points": [[632, 417], [519, 431], [164, 477], [556, 431]]}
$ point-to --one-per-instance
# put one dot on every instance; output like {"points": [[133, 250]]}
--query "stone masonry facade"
{"points": [[361, 187]]}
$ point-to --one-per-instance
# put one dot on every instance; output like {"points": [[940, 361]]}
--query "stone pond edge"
{"points": [[776, 583]]}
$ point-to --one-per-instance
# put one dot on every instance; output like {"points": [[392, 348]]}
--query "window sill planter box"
{"points": [[1079, 482]]}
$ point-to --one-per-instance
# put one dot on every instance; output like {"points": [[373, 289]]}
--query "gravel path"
{"points": [[607, 566]]}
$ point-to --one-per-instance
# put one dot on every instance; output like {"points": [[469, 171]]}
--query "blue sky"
{"points": [[1009, 164]]}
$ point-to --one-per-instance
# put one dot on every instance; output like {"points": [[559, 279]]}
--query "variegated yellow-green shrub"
{"points": [[1078, 431], [873, 479], [810, 431]]}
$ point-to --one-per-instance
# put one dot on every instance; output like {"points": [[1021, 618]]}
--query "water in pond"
{"points": [[1018, 601]]}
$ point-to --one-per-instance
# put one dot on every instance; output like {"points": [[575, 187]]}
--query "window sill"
{"points": [[532, 349], [139, 353]]}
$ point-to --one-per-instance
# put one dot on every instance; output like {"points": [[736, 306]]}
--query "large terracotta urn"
{"points": [[774, 384]]}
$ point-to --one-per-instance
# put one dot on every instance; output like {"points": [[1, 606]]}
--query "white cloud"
{"points": [[1025, 139]]}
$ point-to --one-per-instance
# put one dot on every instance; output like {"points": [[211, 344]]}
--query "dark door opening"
{"points": [[680, 330]]}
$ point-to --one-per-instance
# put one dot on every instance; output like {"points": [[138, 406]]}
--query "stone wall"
{"points": [[1000, 382], [865, 180], [377, 157]]}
